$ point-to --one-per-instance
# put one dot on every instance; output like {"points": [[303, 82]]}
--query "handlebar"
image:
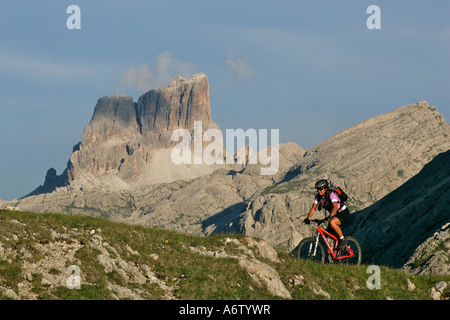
{"points": [[320, 221]]}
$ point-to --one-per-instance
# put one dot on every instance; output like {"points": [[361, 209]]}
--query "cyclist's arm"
{"points": [[335, 209], [312, 210]]}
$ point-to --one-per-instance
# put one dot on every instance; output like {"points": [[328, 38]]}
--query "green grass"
{"points": [[167, 254]]}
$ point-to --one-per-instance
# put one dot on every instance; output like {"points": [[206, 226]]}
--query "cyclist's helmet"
{"points": [[321, 184]]}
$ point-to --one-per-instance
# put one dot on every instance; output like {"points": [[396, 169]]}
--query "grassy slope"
{"points": [[190, 275]]}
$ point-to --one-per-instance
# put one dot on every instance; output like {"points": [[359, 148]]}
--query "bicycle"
{"points": [[310, 248]]}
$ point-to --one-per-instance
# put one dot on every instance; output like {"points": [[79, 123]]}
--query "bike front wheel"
{"points": [[306, 250]]}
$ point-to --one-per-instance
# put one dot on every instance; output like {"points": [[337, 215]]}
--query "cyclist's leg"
{"points": [[338, 221], [342, 219], [330, 230], [335, 225]]}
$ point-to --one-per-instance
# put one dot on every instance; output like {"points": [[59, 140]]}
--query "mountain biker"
{"points": [[330, 201]]}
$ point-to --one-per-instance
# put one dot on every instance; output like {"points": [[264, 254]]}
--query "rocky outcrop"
{"points": [[433, 255], [48, 262], [51, 182], [119, 146], [261, 273]]}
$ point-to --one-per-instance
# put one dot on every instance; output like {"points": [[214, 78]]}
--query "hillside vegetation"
{"points": [[59, 256]]}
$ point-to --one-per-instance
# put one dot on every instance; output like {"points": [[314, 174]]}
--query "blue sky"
{"points": [[308, 68]]}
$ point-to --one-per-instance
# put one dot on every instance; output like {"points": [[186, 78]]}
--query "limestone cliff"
{"points": [[122, 138]]}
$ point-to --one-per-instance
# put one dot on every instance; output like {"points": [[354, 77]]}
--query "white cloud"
{"points": [[239, 68], [140, 77], [146, 77]]}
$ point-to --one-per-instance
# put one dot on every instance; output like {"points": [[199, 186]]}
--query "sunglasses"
{"points": [[320, 189]]}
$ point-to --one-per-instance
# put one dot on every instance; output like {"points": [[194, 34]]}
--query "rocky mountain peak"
{"points": [[178, 105], [124, 136], [194, 78], [114, 118]]}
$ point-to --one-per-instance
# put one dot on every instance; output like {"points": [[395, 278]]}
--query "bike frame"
{"points": [[333, 251]]}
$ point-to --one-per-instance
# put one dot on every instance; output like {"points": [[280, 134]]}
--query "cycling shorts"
{"points": [[343, 216]]}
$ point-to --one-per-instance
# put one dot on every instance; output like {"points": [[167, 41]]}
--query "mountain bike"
{"points": [[310, 248]]}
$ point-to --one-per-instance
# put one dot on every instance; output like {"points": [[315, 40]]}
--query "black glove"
{"points": [[306, 221]]}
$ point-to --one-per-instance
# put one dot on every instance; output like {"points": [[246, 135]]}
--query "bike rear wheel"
{"points": [[305, 250], [353, 244]]}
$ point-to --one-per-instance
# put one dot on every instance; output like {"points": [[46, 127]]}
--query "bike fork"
{"points": [[315, 246]]}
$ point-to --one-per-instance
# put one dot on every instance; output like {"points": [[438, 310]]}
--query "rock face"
{"points": [[108, 140], [177, 106], [119, 144], [376, 156], [415, 215]]}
